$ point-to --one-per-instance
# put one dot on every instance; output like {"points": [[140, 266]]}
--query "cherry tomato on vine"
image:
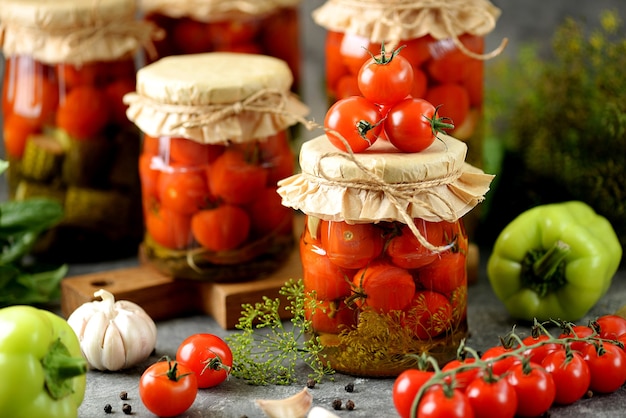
{"points": [[607, 365], [440, 402], [405, 388], [570, 373], [492, 398], [499, 367], [386, 78], [167, 388], [611, 326], [578, 331], [537, 354], [412, 124], [357, 120], [534, 387], [207, 356], [462, 378]]}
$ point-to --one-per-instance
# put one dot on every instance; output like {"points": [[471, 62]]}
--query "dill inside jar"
{"points": [[216, 142], [68, 64], [383, 251]]}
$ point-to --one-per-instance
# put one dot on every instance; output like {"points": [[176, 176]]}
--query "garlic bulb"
{"points": [[113, 335]]}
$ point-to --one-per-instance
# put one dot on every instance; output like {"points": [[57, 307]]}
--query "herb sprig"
{"points": [[269, 350]]}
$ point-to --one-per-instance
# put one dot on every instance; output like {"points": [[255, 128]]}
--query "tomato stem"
{"points": [[382, 59]]}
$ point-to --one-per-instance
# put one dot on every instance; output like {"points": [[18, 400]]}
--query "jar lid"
{"points": [[384, 184], [71, 31], [215, 97], [393, 20], [214, 10]]}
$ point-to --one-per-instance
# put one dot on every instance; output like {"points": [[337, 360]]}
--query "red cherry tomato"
{"points": [[183, 191], [384, 287], [499, 367], [386, 78], [351, 246], [407, 252], [357, 120], [207, 356], [438, 403], [611, 326], [412, 125], [578, 331], [537, 354], [607, 365], [462, 378], [221, 229], [534, 387], [492, 398], [454, 101], [429, 314], [570, 373], [405, 388], [167, 388]]}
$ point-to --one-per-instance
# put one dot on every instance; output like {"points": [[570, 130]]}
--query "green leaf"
{"points": [[35, 214], [31, 288]]}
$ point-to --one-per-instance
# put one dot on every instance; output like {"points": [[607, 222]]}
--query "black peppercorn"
{"points": [[127, 409], [310, 383], [350, 405], [123, 395], [108, 408], [349, 387], [337, 404]]}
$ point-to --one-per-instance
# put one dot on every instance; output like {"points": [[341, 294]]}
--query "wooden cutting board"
{"points": [[164, 297]]}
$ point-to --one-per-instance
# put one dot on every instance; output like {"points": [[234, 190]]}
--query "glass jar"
{"points": [[67, 66], [446, 53], [216, 142], [266, 27], [384, 251]]}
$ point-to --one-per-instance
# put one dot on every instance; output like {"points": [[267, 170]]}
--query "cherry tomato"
{"points": [[168, 228], [386, 78], [354, 50], [329, 316], [405, 388], [234, 179], [167, 388], [16, 130], [537, 354], [449, 63], [221, 229], [444, 275], [453, 100], [357, 120], [417, 50], [384, 287], [429, 314], [492, 398], [412, 125], [191, 36], [578, 331], [191, 153], [607, 365], [183, 191], [351, 246], [420, 83], [462, 378], [207, 356], [335, 67], [319, 274], [438, 403], [570, 373], [84, 112], [611, 326], [499, 367], [407, 252], [534, 387]]}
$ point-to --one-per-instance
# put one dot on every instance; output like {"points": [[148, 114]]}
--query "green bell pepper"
{"points": [[43, 370], [554, 261]]}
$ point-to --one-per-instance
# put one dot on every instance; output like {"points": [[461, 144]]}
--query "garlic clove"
{"points": [[295, 406], [112, 352], [319, 412]]}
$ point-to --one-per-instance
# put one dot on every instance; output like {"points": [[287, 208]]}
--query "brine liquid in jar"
{"points": [[375, 295]]}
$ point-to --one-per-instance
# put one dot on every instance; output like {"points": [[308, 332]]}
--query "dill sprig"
{"points": [[268, 350]]}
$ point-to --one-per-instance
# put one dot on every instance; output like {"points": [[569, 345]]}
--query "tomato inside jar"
{"points": [[382, 281], [273, 31]]}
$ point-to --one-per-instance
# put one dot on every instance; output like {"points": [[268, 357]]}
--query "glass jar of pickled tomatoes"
{"points": [[268, 27], [65, 132], [444, 41], [384, 251], [216, 142]]}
